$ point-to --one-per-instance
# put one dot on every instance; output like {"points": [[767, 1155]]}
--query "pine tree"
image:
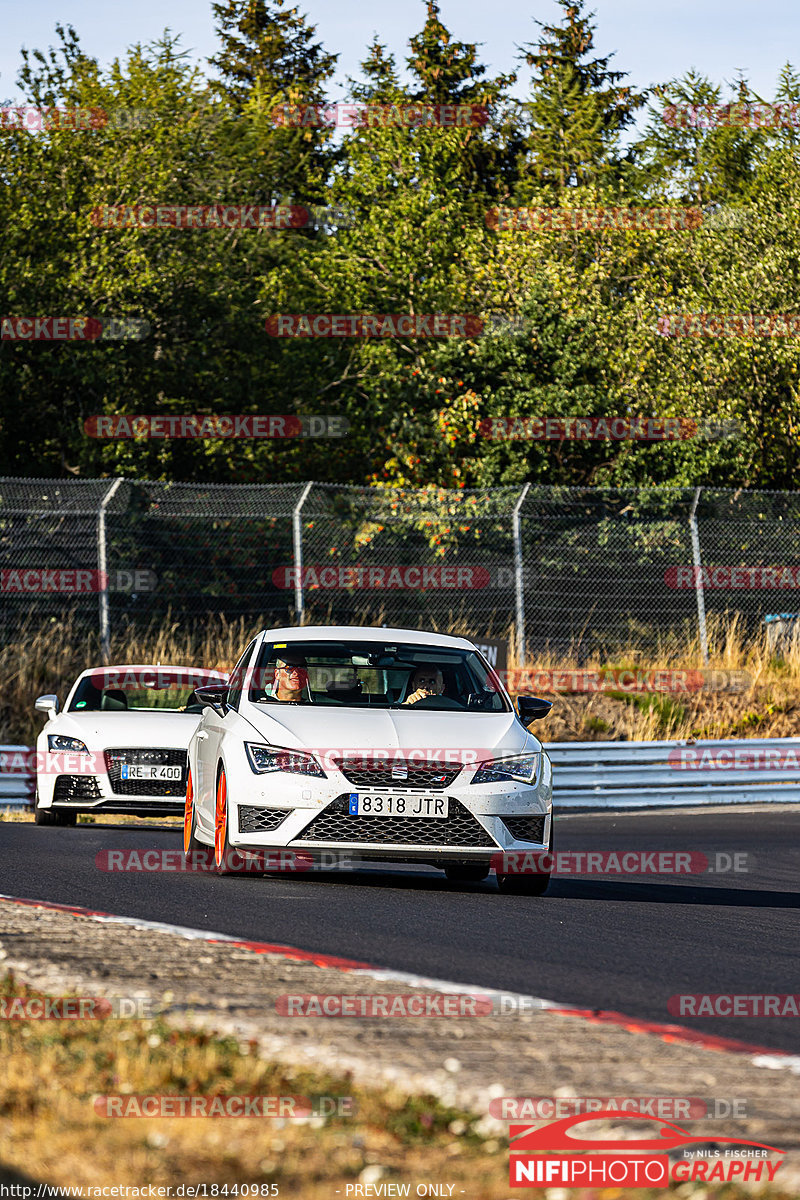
{"points": [[448, 72], [261, 41], [58, 75], [685, 154], [578, 108], [269, 59]]}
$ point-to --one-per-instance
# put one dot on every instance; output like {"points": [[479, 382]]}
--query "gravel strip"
{"points": [[464, 1061]]}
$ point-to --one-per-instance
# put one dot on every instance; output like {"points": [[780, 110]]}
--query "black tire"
{"points": [[191, 843], [52, 816], [467, 872], [513, 884]]}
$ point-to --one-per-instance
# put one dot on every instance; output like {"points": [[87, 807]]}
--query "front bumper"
{"points": [[301, 812], [80, 787]]}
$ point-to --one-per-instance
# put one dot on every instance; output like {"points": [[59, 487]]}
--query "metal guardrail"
{"points": [[17, 781], [598, 775]]}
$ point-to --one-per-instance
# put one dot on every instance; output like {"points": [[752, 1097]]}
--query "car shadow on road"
{"points": [[670, 893], [560, 889]]}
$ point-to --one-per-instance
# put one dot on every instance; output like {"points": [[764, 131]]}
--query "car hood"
{"points": [[353, 729], [101, 730]]}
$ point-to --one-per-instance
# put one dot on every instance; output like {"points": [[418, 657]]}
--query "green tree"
{"points": [[577, 111]]}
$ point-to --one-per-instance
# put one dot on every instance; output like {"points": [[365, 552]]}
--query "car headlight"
{"points": [[265, 759], [517, 768], [59, 741]]}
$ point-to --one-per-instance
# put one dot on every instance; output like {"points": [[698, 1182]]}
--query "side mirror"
{"points": [[47, 704], [531, 708], [213, 696]]}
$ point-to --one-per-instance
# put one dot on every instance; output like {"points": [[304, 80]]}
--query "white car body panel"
{"points": [[219, 741], [101, 731]]}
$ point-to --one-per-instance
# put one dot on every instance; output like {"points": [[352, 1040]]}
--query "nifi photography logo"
{"points": [[553, 1156]]}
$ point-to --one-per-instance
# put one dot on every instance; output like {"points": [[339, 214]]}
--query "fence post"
{"points": [[102, 572], [698, 576], [518, 578], [297, 538]]}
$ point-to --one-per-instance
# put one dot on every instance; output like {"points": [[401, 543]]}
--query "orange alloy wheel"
{"points": [[188, 812], [221, 821]]}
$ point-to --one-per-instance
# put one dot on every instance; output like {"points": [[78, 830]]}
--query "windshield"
{"points": [[142, 689], [355, 674]]}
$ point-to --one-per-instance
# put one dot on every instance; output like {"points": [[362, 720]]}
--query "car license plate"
{"points": [[149, 771], [366, 804]]}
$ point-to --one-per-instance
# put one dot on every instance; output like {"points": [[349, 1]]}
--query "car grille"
{"points": [[146, 787], [525, 829], [72, 789], [428, 777], [260, 820], [334, 825]]}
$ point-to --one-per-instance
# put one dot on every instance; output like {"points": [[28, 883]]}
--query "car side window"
{"points": [[236, 681]]}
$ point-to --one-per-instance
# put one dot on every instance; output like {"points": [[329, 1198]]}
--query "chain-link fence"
{"points": [[568, 568]]}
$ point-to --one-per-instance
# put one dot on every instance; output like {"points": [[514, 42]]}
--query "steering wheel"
{"points": [[436, 702]]}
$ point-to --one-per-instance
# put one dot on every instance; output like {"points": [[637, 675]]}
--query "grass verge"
{"points": [[57, 1071]]}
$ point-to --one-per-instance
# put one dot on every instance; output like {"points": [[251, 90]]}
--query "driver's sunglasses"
{"points": [[291, 670], [422, 681]]}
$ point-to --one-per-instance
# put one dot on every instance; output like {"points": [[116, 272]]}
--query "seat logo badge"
{"points": [[399, 771]]}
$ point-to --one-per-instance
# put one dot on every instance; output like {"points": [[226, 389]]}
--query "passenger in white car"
{"points": [[427, 681]]}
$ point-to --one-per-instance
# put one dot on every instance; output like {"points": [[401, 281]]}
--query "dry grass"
{"points": [[764, 703], [48, 658], [53, 1071]]}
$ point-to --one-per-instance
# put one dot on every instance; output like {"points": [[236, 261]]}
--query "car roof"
{"points": [[366, 633]]}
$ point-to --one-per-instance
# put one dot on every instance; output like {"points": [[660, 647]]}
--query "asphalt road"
{"points": [[603, 942]]}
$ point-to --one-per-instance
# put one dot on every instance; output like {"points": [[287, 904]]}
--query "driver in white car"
{"points": [[291, 679], [427, 681]]}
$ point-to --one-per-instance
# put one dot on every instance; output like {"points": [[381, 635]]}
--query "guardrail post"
{"points": [[297, 538], [519, 578], [698, 576], [102, 572]]}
